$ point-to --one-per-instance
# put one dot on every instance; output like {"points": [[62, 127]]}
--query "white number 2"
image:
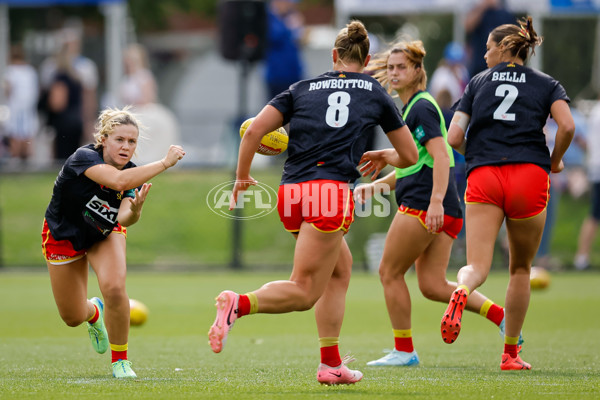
{"points": [[337, 112], [510, 93]]}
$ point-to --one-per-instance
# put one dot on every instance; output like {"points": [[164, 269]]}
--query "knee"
{"points": [[343, 270], [520, 270], [72, 320], [430, 291], [305, 296], [114, 293], [307, 303], [388, 274], [473, 272], [435, 286], [342, 275]]}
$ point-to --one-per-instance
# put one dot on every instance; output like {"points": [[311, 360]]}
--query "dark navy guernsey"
{"points": [[81, 210], [509, 105], [413, 190], [331, 117]]}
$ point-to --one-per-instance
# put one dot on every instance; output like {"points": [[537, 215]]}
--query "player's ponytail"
{"points": [[520, 40], [352, 43]]}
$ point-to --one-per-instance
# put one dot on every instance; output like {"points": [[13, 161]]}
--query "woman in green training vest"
{"points": [[429, 214]]}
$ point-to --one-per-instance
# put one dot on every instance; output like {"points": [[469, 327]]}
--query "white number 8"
{"points": [[337, 112]]}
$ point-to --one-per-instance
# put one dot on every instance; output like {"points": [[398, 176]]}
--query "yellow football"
{"points": [[272, 144], [138, 312], [539, 278]]}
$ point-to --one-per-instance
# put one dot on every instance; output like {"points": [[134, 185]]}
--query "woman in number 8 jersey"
{"points": [[330, 118], [505, 108]]}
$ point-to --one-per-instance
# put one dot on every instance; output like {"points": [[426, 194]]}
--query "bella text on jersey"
{"points": [[509, 76]]}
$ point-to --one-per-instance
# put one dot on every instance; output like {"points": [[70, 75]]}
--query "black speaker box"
{"points": [[242, 29]]}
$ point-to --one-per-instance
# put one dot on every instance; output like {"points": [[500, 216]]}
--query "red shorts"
{"points": [[451, 227], [521, 190], [59, 252], [325, 204]]}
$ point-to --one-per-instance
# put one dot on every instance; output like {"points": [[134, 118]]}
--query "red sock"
{"points": [[404, 344], [243, 305], [511, 350], [119, 355], [330, 355], [495, 314], [96, 315]]}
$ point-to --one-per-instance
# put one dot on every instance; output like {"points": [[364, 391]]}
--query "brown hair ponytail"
{"points": [[519, 40]]}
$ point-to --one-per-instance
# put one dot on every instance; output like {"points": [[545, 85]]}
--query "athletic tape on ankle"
{"points": [[329, 341], [253, 302], [119, 347], [402, 333], [511, 340], [486, 307]]}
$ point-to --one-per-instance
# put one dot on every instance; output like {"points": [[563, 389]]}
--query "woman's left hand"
{"points": [[559, 168], [374, 162], [435, 217], [140, 197], [240, 186]]}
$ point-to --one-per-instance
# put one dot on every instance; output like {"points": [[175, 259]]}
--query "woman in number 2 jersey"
{"points": [[505, 108]]}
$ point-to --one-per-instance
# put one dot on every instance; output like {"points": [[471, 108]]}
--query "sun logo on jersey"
{"points": [[320, 163], [511, 65], [342, 75]]}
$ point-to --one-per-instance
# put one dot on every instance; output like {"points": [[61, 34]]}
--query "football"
{"points": [[138, 312], [272, 144], [539, 278]]}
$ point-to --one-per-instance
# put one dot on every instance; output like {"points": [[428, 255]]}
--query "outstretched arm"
{"points": [[130, 178]]}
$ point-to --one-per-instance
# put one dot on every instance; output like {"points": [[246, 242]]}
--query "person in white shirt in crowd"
{"points": [[589, 228], [21, 90]]}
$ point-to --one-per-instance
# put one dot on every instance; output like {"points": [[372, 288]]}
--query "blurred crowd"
{"points": [[52, 107]]}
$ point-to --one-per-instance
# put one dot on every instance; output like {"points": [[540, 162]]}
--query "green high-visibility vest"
{"points": [[424, 156]]}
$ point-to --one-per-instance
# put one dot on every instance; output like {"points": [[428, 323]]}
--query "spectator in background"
{"points": [[138, 86], [589, 228], [139, 90], [451, 73], [62, 102], [479, 22], [21, 86], [284, 64], [83, 68]]}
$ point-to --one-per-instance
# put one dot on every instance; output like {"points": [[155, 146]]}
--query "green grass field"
{"points": [[276, 356]]}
